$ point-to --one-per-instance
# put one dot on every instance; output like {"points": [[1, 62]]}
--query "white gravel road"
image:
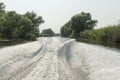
{"points": [[59, 59]]}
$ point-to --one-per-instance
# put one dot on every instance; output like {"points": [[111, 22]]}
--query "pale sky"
{"points": [[57, 12]]}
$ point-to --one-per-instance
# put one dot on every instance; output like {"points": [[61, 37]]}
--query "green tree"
{"points": [[24, 27], [81, 22], [11, 25], [66, 29], [77, 24], [36, 21], [2, 6], [17, 26], [2, 14], [47, 32]]}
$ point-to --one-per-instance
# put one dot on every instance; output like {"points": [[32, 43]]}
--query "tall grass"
{"points": [[107, 34]]}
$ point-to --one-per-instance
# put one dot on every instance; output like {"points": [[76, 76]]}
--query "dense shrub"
{"points": [[110, 34], [30, 36]]}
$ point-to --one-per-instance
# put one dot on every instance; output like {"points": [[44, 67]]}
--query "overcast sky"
{"points": [[57, 12]]}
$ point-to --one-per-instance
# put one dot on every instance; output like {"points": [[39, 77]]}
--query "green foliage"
{"points": [[10, 26], [77, 24], [107, 34], [47, 33], [66, 30], [30, 36], [2, 6], [116, 34], [25, 28], [17, 26], [2, 12], [36, 20]]}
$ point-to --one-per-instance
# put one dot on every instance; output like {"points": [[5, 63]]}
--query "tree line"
{"points": [[77, 24], [81, 26], [48, 33], [19, 26]]}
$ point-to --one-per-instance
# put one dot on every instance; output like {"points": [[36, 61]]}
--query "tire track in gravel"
{"points": [[16, 65], [59, 59], [28, 66], [47, 67]]}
